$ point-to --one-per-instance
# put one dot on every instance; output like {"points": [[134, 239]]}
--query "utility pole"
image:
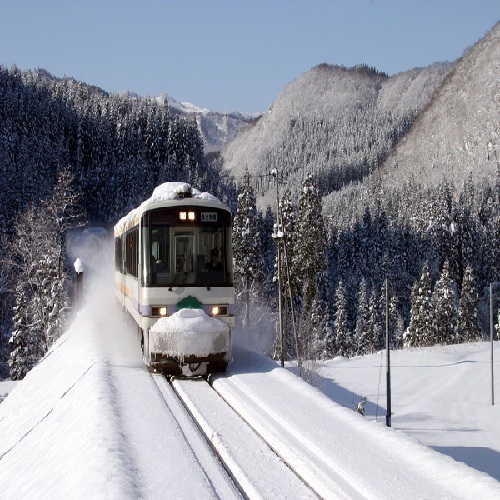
{"points": [[491, 342], [278, 235], [388, 349]]}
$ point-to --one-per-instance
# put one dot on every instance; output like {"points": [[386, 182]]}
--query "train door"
{"points": [[184, 257]]}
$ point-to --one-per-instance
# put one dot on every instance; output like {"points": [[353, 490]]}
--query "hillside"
{"points": [[459, 132], [455, 140], [335, 122]]}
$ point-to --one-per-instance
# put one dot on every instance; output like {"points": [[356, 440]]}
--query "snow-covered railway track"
{"points": [[221, 482], [255, 468]]}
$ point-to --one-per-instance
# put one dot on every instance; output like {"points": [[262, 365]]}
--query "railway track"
{"points": [[217, 434]]}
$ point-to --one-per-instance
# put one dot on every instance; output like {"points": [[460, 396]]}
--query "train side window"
{"points": [[118, 254], [132, 252]]}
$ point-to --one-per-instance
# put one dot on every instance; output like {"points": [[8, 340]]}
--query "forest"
{"points": [[408, 171], [66, 144], [71, 155]]}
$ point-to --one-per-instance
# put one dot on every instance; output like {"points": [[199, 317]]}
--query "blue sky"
{"points": [[231, 54]]}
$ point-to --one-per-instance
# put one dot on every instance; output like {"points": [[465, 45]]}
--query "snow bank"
{"points": [[189, 332], [57, 428], [88, 422]]}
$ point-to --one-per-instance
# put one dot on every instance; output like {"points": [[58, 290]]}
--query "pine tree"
{"points": [[246, 247], [396, 324], [28, 341], [362, 334], [445, 307], [343, 341], [308, 256], [468, 329], [374, 322], [421, 330], [309, 241]]}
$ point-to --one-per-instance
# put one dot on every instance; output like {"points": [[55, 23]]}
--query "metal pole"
{"points": [[79, 283], [491, 342], [292, 311], [387, 346], [278, 234], [280, 301]]}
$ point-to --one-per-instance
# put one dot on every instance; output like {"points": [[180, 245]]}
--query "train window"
{"points": [[180, 253], [184, 252], [132, 252], [118, 254], [160, 255]]}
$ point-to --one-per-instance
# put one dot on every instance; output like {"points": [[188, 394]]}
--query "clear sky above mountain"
{"points": [[231, 54]]}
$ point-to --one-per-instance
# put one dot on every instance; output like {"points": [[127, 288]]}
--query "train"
{"points": [[174, 276]]}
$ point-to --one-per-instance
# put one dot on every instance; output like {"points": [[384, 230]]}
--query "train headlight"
{"points": [[187, 216], [159, 311], [218, 310]]}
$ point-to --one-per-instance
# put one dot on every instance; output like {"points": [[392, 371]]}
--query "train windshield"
{"points": [[180, 249]]}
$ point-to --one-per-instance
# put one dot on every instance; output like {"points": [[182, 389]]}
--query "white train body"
{"points": [[174, 253]]}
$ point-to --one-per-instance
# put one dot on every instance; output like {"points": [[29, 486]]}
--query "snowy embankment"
{"points": [[441, 395], [336, 450], [88, 422]]}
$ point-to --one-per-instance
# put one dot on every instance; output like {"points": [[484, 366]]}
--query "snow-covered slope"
{"points": [[345, 112], [88, 421], [459, 132]]}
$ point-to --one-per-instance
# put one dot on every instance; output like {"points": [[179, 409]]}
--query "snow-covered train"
{"points": [[173, 274]]}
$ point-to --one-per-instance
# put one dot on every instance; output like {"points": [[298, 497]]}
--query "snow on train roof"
{"points": [[166, 192]]}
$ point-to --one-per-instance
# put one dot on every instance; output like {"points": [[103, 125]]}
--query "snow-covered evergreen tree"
{"points": [[421, 330], [396, 325], [309, 241], [248, 266], [343, 341], [445, 307], [28, 340], [308, 257], [362, 334], [468, 329], [42, 299], [377, 338]]}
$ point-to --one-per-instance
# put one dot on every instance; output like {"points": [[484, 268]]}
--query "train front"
{"points": [[186, 301]]}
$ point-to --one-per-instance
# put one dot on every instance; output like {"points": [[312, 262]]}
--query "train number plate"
{"points": [[208, 216]]}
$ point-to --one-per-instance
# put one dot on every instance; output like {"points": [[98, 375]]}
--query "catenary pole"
{"points": [[278, 236], [491, 343], [387, 346]]}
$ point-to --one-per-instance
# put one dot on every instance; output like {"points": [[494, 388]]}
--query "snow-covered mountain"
{"points": [[217, 129], [459, 132], [342, 124], [334, 122]]}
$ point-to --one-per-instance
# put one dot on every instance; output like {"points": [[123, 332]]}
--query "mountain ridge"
{"points": [[361, 112]]}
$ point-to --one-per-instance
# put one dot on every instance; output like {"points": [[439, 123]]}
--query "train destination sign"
{"points": [[208, 216]]}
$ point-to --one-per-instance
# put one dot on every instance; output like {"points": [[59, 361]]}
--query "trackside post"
{"points": [[79, 283]]}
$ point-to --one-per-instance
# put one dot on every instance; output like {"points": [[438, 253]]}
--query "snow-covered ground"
{"points": [[88, 421]]}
